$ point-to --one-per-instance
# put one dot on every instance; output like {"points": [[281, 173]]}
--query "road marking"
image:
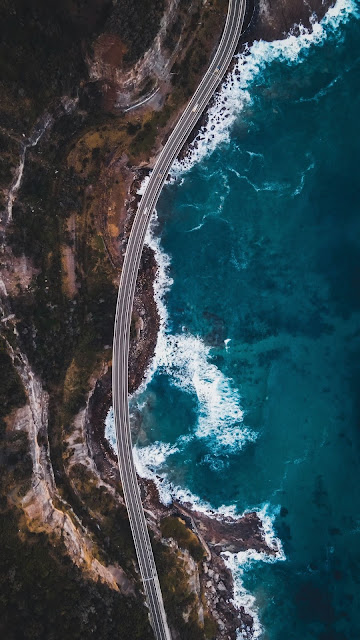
{"points": [[126, 293], [139, 104]]}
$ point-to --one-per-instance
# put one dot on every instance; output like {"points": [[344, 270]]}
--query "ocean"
{"points": [[252, 399]]}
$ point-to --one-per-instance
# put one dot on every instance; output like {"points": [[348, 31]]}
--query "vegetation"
{"points": [[44, 596], [188, 68], [136, 22], [210, 628], [113, 534], [65, 329], [66, 337], [177, 596], [145, 137], [42, 45], [15, 460], [9, 150], [76, 383], [176, 528]]}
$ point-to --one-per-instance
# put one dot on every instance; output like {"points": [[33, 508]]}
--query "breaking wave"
{"points": [[185, 358], [235, 93]]}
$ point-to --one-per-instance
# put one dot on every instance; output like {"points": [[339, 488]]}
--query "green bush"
{"points": [[178, 599], [175, 528]]}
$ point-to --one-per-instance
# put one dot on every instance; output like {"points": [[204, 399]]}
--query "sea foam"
{"points": [[235, 92], [185, 358]]}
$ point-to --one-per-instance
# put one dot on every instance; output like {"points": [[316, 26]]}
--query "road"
{"points": [[191, 114]]}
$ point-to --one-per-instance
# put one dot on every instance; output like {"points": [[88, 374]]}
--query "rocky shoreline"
{"points": [[216, 534], [84, 456], [267, 21], [264, 20]]}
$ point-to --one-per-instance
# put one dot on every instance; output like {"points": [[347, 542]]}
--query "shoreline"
{"points": [[219, 535], [145, 312], [255, 30], [74, 496], [148, 487], [103, 161]]}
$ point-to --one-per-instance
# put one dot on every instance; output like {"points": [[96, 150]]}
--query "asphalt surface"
{"points": [[180, 133]]}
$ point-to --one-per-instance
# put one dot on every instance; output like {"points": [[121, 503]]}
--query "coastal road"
{"points": [[191, 114]]}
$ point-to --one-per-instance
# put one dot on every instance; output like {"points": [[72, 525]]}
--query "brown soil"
{"points": [[110, 49], [68, 259]]}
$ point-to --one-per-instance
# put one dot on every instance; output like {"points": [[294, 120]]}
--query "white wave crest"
{"points": [[143, 185], [185, 358], [152, 463], [110, 428], [235, 94]]}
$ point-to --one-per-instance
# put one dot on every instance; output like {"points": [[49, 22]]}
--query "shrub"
{"points": [[176, 528]]}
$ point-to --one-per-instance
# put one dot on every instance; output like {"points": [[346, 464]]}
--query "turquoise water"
{"points": [[255, 396]]}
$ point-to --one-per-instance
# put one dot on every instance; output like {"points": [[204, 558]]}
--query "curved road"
{"points": [[186, 123]]}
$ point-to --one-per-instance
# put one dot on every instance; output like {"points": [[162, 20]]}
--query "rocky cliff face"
{"points": [[124, 87], [152, 77]]}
